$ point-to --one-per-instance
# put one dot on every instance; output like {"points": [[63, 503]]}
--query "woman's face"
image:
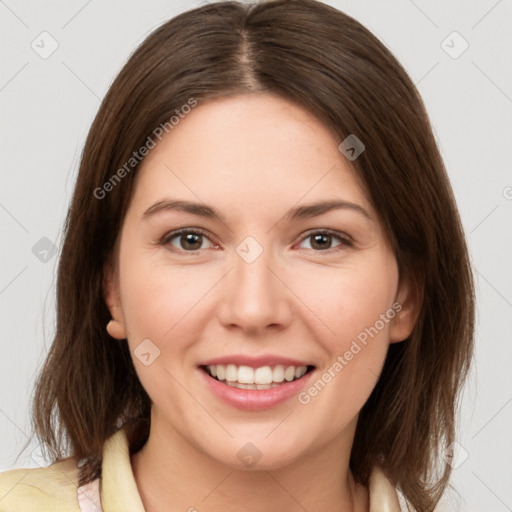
{"points": [[261, 280]]}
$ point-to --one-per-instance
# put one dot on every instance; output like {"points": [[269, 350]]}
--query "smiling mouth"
{"points": [[265, 377]]}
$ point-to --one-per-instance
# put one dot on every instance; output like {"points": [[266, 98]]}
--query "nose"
{"points": [[255, 296]]}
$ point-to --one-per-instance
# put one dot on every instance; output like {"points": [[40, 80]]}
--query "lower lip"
{"points": [[255, 399]]}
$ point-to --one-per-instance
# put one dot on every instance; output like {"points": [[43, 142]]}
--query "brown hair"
{"points": [[328, 63]]}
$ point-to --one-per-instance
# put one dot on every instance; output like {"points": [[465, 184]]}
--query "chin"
{"points": [[258, 455]]}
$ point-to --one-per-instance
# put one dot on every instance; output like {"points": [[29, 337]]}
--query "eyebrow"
{"points": [[300, 212]]}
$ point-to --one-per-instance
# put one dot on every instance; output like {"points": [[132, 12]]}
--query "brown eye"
{"points": [[192, 241], [185, 240], [323, 240]]}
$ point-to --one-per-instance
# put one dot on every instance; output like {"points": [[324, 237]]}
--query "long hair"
{"points": [[328, 63]]}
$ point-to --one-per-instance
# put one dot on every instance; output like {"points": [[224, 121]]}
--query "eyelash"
{"points": [[345, 240]]}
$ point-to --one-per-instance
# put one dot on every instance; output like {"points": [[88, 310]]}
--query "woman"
{"points": [[264, 295]]}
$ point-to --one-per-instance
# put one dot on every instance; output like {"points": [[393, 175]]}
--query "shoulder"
{"points": [[45, 489]]}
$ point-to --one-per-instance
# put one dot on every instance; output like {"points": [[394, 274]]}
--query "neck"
{"points": [[169, 470]]}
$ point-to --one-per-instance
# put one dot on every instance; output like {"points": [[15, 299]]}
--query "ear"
{"points": [[407, 307], [116, 327]]}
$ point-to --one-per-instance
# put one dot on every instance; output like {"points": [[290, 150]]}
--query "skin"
{"points": [[252, 157]]}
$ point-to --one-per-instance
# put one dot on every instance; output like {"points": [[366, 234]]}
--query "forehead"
{"points": [[252, 150]]}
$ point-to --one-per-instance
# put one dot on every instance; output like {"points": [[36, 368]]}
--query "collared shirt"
{"points": [[55, 488]]}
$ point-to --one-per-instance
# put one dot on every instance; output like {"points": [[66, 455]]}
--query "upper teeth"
{"points": [[262, 375]]}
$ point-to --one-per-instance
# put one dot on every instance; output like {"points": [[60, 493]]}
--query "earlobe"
{"points": [[115, 327], [116, 330], [402, 325]]}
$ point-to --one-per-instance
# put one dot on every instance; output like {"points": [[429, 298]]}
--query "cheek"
{"points": [[359, 311], [158, 299], [161, 305], [356, 305], [351, 300]]}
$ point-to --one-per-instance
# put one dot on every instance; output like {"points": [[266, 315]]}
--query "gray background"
{"points": [[49, 103]]}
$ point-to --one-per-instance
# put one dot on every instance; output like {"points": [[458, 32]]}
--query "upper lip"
{"points": [[254, 362]]}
